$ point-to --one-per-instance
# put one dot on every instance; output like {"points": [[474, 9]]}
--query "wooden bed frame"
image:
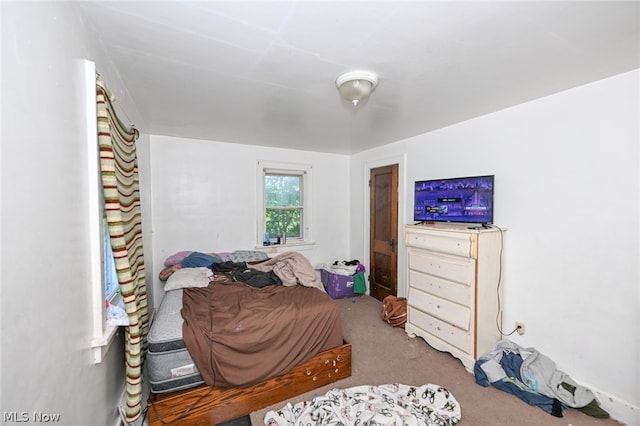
{"points": [[209, 405]]}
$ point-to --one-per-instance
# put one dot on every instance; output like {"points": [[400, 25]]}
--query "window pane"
{"points": [[111, 285], [282, 190], [283, 201], [284, 221]]}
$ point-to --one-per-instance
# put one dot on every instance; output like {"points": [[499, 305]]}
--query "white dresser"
{"points": [[453, 288]]}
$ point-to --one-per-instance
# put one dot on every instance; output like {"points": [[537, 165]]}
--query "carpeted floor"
{"points": [[240, 421], [383, 354]]}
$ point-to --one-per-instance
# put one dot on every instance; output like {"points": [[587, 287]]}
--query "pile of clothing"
{"points": [[343, 267], [348, 268], [240, 271], [534, 378]]}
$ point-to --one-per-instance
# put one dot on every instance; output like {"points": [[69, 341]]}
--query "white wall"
{"points": [[204, 198], [45, 265], [571, 262], [568, 191]]}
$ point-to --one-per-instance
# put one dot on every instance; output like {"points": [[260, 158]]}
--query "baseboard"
{"points": [[122, 417], [121, 403], [140, 421], [618, 409]]}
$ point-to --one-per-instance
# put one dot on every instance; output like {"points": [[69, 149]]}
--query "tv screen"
{"points": [[465, 199]]}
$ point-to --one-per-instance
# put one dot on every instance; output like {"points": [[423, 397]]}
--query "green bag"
{"points": [[359, 283]]}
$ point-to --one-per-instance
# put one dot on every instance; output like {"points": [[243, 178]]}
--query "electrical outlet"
{"points": [[520, 327]]}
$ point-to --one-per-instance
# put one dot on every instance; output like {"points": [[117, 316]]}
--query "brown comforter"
{"points": [[239, 335]]}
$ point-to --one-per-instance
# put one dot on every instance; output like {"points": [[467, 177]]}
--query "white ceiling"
{"points": [[263, 73]]}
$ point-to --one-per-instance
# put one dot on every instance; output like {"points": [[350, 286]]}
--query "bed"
{"points": [[221, 348]]}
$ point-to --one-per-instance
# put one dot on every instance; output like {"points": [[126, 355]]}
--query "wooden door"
{"points": [[383, 253]]}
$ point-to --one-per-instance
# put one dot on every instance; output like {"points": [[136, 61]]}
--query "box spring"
{"points": [[168, 365], [208, 405]]}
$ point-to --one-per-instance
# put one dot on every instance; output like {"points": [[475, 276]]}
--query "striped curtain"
{"points": [[119, 169]]}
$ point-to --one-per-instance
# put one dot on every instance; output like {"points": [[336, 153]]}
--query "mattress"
{"points": [[168, 364], [259, 333]]}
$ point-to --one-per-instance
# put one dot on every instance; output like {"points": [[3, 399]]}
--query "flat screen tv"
{"points": [[464, 199]]}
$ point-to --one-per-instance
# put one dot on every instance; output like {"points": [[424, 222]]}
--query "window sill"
{"points": [[100, 345], [291, 246]]}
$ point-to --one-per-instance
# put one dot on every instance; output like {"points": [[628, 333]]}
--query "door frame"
{"points": [[400, 160]]}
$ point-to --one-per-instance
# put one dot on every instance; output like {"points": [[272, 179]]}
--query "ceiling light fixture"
{"points": [[355, 86]]}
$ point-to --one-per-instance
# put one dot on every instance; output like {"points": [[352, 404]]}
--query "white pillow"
{"points": [[188, 277]]}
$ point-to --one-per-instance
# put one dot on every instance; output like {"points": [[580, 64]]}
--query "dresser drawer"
{"points": [[459, 244], [453, 268], [460, 293], [454, 336], [450, 312]]}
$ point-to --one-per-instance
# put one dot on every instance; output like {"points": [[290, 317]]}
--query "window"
{"points": [[284, 203], [101, 256], [115, 313], [111, 286]]}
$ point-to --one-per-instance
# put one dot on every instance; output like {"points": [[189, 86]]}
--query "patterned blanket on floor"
{"points": [[391, 404]]}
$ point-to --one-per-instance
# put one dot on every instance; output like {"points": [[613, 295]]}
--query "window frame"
{"points": [[305, 172], [103, 334]]}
